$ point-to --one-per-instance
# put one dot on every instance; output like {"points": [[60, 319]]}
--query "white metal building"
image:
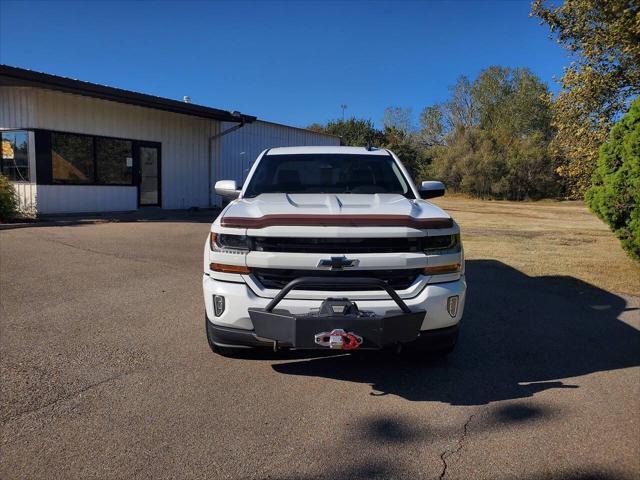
{"points": [[72, 146]]}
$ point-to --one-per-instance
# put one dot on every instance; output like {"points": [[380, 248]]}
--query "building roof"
{"points": [[14, 76], [303, 129]]}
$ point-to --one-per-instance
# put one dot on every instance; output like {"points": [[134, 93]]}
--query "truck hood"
{"points": [[271, 209]]}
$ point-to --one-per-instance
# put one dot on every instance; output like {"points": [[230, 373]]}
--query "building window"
{"points": [[114, 160], [72, 158], [91, 160], [14, 163]]}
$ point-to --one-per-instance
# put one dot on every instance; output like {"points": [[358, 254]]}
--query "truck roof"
{"points": [[325, 149]]}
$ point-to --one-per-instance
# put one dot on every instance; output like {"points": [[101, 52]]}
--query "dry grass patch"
{"points": [[545, 238]]}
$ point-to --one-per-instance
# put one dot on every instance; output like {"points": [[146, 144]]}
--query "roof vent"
{"points": [[186, 99]]}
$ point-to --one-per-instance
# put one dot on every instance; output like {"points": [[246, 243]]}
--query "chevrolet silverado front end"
{"points": [[332, 247]]}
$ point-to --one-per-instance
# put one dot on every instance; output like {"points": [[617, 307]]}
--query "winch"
{"points": [[338, 323], [338, 339]]}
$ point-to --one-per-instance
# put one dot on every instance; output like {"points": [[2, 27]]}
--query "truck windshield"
{"points": [[328, 173]]}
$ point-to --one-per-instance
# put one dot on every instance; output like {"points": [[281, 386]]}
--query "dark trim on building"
{"points": [[14, 76], [44, 160], [137, 176], [44, 163]]}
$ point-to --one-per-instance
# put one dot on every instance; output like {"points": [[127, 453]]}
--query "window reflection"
{"points": [[72, 157], [14, 162], [115, 162]]}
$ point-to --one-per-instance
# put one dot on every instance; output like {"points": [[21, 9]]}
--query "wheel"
{"points": [[224, 351], [435, 347], [443, 352]]}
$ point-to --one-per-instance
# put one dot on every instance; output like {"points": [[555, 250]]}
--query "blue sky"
{"points": [[289, 62]]}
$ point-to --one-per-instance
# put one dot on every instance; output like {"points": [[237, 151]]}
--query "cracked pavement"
{"points": [[106, 373], [444, 456]]}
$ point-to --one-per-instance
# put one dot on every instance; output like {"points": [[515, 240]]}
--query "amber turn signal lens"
{"points": [[442, 269], [222, 267]]}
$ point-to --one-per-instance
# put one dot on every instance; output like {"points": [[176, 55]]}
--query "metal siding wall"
{"points": [[26, 193], [237, 151], [85, 198], [16, 107], [184, 139]]}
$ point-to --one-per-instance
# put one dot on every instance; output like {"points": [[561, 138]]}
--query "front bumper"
{"points": [[234, 325], [438, 339], [339, 323]]}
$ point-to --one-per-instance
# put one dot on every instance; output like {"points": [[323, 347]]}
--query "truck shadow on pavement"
{"points": [[520, 335]]}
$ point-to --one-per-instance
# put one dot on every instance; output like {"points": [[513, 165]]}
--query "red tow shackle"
{"points": [[350, 341], [338, 339]]}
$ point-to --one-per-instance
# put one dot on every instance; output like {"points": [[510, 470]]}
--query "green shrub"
{"points": [[615, 193], [8, 200], [478, 163]]}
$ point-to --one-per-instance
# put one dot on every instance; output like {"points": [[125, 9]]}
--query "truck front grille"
{"points": [[276, 278], [338, 245]]}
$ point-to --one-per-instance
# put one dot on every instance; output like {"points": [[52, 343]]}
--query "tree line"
{"points": [[490, 139], [503, 135]]}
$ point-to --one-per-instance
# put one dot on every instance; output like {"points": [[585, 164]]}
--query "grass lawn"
{"points": [[545, 238]]}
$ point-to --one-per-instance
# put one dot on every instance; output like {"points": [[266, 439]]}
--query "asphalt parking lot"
{"points": [[106, 373]]}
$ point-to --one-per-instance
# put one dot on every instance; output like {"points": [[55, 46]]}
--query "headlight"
{"points": [[225, 242], [442, 243]]}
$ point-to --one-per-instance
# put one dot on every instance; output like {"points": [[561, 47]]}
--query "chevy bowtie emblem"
{"points": [[338, 263]]}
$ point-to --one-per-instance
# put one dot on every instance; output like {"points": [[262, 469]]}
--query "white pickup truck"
{"points": [[332, 248]]}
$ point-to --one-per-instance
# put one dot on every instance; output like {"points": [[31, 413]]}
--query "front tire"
{"points": [[437, 346], [223, 351], [445, 351]]}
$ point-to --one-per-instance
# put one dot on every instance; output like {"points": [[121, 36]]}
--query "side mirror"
{"points": [[431, 189], [227, 189]]}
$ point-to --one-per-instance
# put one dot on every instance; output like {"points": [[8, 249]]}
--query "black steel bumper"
{"points": [[282, 329], [438, 339]]}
